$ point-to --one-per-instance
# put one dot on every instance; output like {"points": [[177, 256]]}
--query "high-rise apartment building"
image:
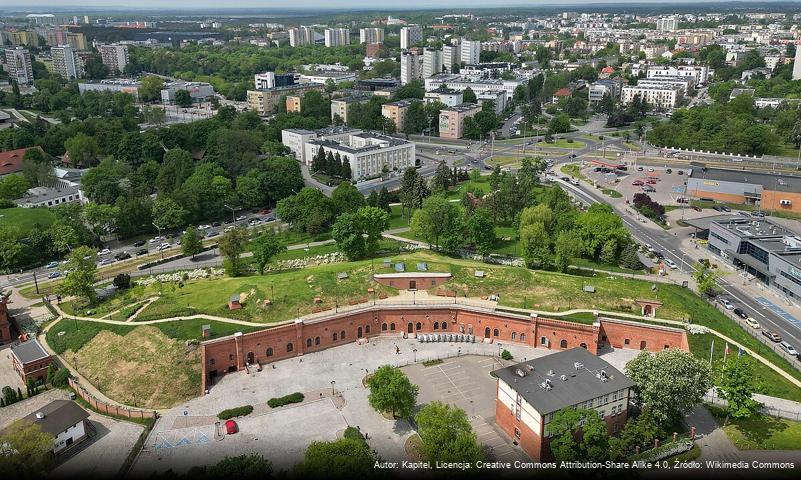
{"points": [[371, 35], [77, 41], [411, 67], [432, 62], [450, 56], [301, 36], [470, 52], [410, 35], [115, 56], [19, 66], [65, 62], [336, 37], [667, 24]]}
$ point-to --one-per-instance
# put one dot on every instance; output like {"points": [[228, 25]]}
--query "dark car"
{"points": [[717, 208], [740, 313], [215, 224], [139, 243], [659, 255], [669, 171], [122, 256], [696, 208], [725, 208], [773, 336], [142, 252], [680, 172]]}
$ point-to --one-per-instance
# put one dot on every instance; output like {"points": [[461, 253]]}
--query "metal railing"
{"points": [[765, 410]]}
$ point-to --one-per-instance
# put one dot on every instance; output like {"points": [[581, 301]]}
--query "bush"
{"points": [[6, 203], [354, 434], [61, 378], [122, 281], [506, 355], [296, 397], [235, 412]]}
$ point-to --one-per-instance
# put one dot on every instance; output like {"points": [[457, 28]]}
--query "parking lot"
{"points": [[667, 186]]}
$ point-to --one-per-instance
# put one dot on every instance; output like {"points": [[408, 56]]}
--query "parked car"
{"points": [[683, 200], [51, 265], [696, 208], [773, 336], [203, 227], [575, 181], [789, 348], [752, 323], [241, 217], [740, 313], [105, 251], [139, 243], [651, 169], [142, 251], [671, 264], [215, 224], [164, 246], [639, 169], [669, 171], [725, 208], [231, 427], [726, 303], [651, 181], [54, 275], [758, 214], [638, 183], [155, 239], [717, 208], [648, 188], [122, 256], [107, 261], [680, 172]]}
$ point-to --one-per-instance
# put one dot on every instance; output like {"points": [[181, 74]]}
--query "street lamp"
{"points": [[414, 350], [499, 349], [233, 212], [333, 392]]}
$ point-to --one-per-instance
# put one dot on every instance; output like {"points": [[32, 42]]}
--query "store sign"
{"points": [[710, 183]]}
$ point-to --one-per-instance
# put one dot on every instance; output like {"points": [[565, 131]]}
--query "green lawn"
{"points": [[787, 150], [760, 432], [20, 220], [573, 170], [396, 219], [611, 193], [563, 143]]}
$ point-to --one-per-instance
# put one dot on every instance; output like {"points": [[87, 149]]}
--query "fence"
{"points": [[771, 411], [104, 407]]}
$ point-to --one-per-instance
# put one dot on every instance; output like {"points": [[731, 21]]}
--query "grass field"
{"points": [[760, 432], [563, 143], [611, 193], [573, 170], [20, 220]]}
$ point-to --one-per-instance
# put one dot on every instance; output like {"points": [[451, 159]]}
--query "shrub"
{"points": [[296, 397], [354, 434], [235, 412], [6, 203], [506, 355], [122, 281], [61, 378]]}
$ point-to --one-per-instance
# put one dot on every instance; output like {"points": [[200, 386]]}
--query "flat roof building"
{"points": [[662, 97], [128, 86], [451, 119], [19, 66], [396, 111], [265, 101], [342, 106], [529, 393], [198, 91], [769, 191], [295, 139], [460, 83], [31, 360], [114, 56]]}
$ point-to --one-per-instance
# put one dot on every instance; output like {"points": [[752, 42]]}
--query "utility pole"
{"points": [[233, 212]]}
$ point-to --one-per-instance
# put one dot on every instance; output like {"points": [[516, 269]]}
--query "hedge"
{"points": [[296, 397], [235, 412]]}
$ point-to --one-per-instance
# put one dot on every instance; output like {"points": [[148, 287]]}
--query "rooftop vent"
{"points": [[40, 415], [563, 377], [550, 373], [578, 365], [546, 384], [520, 372]]}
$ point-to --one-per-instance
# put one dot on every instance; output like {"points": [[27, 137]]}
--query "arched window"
{"points": [[335, 336], [514, 335], [495, 332], [342, 335], [522, 337], [317, 340], [308, 342], [436, 325], [383, 327], [583, 345], [444, 325], [418, 326], [289, 347], [487, 332], [563, 344], [392, 327], [367, 329], [270, 352]]}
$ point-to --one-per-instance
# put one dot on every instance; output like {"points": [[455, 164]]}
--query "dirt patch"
{"points": [[143, 368]]}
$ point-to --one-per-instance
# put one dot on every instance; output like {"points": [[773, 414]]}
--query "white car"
{"points": [[202, 227], [752, 323], [51, 265], [726, 304], [671, 264], [105, 251], [163, 246], [575, 181], [241, 217], [789, 348], [155, 239]]}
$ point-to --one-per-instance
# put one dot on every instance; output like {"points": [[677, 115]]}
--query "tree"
{"points": [[82, 149], [122, 281], [357, 233], [446, 434], [437, 219], [469, 96], [346, 198], [25, 450], [578, 434], [13, 186], [391, 391], [343, 458], [150, 88], [637, 432], [183, 99], [629, 258], [384, 200], [249, 466], [191, 243], [737, 387], [566, 249], [309, 211], [36, 166], [232, 244], [559, 124], [706, 279], [669, 383], [535, 245], [480, 230], [265, 247], [100, 218], [168, 214], [82, 266], [442, 178], [154, 115]]}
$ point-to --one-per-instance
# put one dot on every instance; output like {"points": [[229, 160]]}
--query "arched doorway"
{"points": [[359, 332], [409, 327], [563, 344], [250, 357], [487, 332], [642, 345]]}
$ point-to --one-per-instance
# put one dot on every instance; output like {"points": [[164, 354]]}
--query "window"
{"points": [[308, 342], [383, 327], [270, 352], [367, 329], [444, 325], [522, 337], [615, 428], [230, 356], [289, 347], [517, 433], [495, 332], [626, 341], [543, 341], [514, 335], [342, 335], [211, 361], [418, 326], [335, 336], [392, 327], [563, 344], [436, 325], [317, 341]]}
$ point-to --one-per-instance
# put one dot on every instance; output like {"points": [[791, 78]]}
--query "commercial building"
{"points": [[411, 67], [451, 119], [432, 62], [50, 197], [341, 107], [457, 82], [301, 35], [410, 35], [609, 86], [323, 77], [272, 80], [65, 62], [19, 66], [766, 250], [396, 111], [115, 56], [65, 420], [122, 85], [295, 139], [265, 101], [470, 52], [662, 97], [770, 192], [30, 360], [531, 392], [368, 153], [684, 84], [336, 37], [497, 98], [371, 35], [199, 91], [446, 96], [699, 73]]}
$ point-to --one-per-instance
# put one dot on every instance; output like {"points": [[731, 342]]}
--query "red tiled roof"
{"points": [[11, 160], [608, 70], [563, 92]]}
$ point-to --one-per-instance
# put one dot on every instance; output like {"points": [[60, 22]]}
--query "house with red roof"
{"points": [[606, 71], [561, 93], [11, 161]]}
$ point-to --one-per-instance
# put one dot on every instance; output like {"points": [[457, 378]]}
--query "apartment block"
{"points": [[451, 119], [396, 111], [371, 35], [115, 56], [410, 35], [19, 66]]}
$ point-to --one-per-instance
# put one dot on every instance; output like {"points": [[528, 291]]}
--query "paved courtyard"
{"points": [[8, 376], [187, 435]]}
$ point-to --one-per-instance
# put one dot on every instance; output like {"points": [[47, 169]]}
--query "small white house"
{"points": [[65, 420]]}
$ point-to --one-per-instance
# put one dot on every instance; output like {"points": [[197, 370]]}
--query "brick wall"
{"points": [[107, 408], [412, 282], [232, 353], [5, 325]]}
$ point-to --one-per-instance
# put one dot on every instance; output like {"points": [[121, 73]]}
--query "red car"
{"points": [[651, 181], [231, 427], [637, 183]]}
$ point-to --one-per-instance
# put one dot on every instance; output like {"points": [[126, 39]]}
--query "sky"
{"points": [[338, 4]]}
